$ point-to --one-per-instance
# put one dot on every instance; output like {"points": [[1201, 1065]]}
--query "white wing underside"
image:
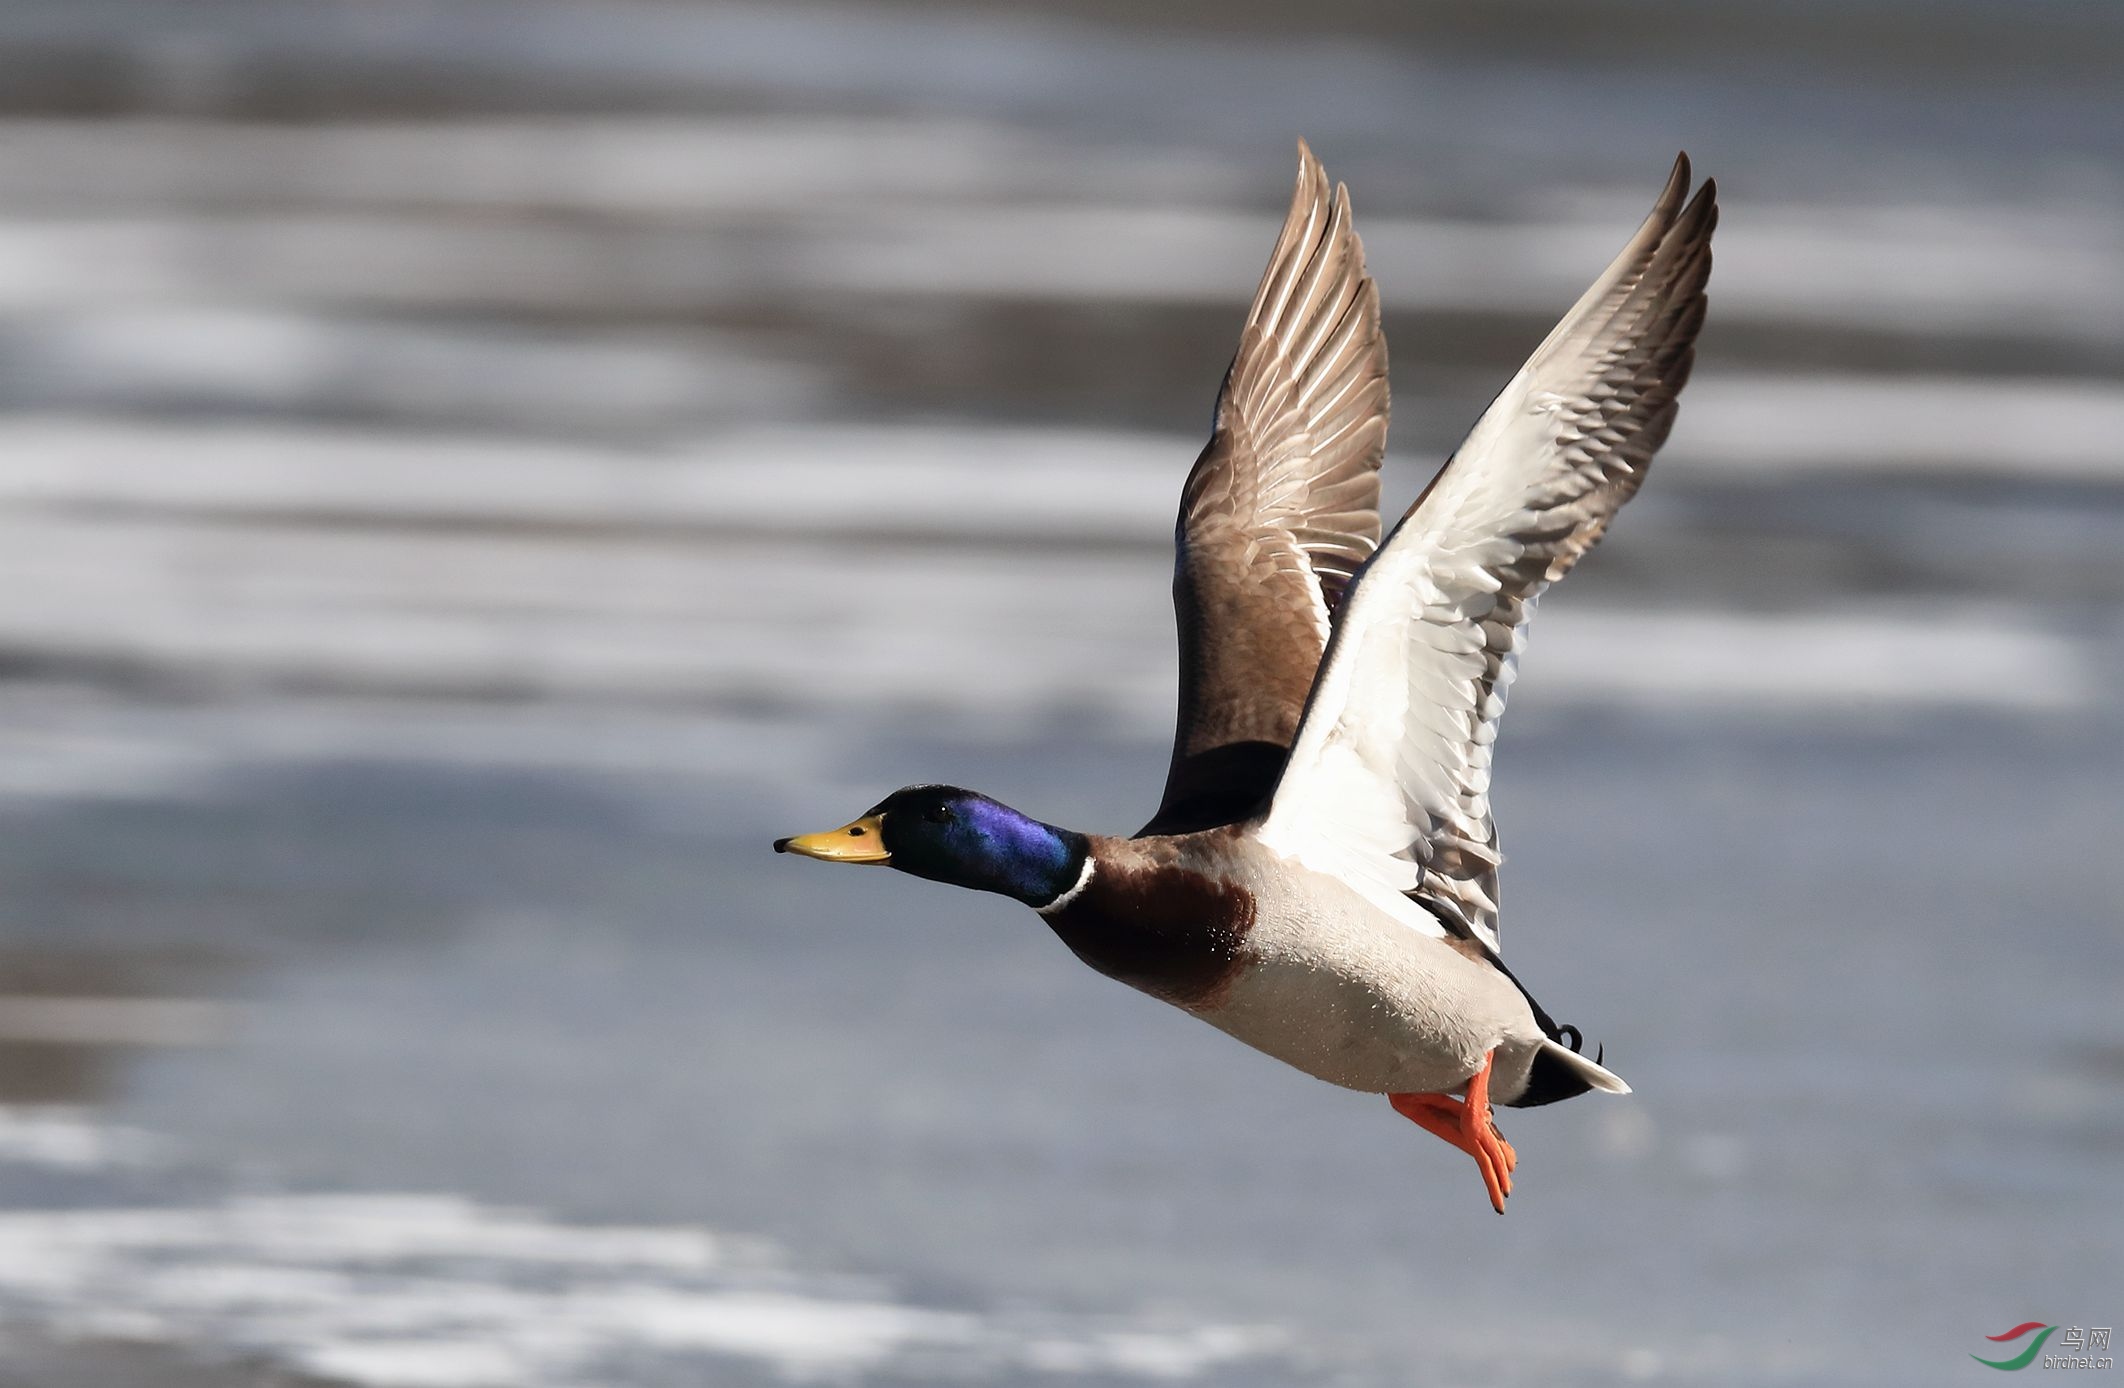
{"points": [[1387, 785]]}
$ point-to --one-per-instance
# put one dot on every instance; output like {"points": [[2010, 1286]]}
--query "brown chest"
{"points": [[1169, 931]]}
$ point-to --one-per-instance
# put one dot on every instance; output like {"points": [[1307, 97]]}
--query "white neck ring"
{"points": [[1083, 880]]}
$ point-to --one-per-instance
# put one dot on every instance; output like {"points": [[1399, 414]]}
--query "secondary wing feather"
{"points": [[1280, 511], [1388, 781]]}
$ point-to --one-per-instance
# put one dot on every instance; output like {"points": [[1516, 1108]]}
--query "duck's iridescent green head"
{"points": [[958, 836]]}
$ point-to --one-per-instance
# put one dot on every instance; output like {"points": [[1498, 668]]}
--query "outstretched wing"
{"points": [[1388, 780], [1281, 510]]}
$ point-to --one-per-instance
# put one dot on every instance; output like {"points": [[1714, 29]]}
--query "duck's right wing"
{"points": [[1388, 781], [1280, 511]]}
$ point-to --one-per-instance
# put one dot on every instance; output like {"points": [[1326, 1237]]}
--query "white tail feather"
{"points": [[1593, 1072]]}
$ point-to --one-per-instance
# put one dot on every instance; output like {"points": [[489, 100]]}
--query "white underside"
{"points": [[1355, 996]]}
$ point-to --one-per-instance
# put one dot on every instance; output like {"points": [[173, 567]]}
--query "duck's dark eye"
{"points": [[938, 814]]}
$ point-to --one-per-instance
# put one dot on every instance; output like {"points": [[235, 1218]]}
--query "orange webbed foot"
{"points": [[1469, 1125]]}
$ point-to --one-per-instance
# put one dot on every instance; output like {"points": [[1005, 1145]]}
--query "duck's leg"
{"points": [[1468, 1125]]}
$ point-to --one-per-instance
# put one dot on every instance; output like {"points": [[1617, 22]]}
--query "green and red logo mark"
{"points": [[2026, 1356]]}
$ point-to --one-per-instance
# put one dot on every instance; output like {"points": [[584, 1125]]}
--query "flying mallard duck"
{"points": [[1320, 880]]}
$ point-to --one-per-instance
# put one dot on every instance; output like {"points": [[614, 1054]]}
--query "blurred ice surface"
{"points": [[472, 472], [558, 572], [434, 1292]]}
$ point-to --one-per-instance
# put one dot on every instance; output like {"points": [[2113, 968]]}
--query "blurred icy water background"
{"points": [[470, 473]]}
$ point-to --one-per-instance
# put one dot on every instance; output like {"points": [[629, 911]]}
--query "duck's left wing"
{"points": [[1280, 511], [1387, 786]]}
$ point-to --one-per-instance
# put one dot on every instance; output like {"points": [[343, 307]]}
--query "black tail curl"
{"points": [[1550, 1080], [1567, 1035]]}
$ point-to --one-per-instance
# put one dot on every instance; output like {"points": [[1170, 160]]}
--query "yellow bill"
{"points": [[860, 842]]}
